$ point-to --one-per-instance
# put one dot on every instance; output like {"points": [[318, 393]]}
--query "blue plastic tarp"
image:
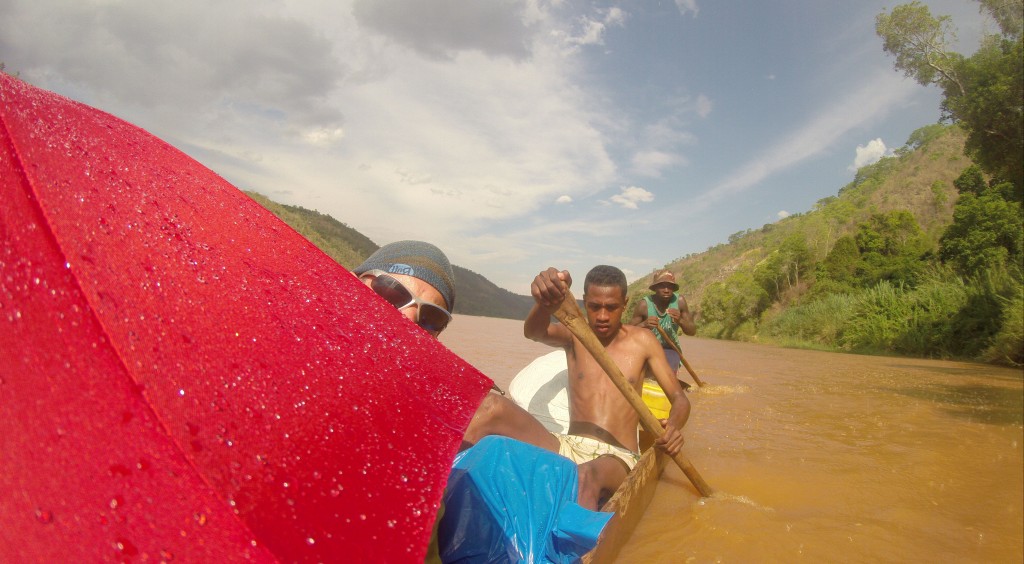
{"points": [[508, 501]]}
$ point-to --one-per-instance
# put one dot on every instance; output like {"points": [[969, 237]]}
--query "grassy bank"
{"points": [[946, 316]]}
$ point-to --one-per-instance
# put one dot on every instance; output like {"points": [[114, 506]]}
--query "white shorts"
{"points": [[584, 449]]}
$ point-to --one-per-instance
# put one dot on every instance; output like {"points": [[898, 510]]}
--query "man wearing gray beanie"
{"points": [[413, 273]]}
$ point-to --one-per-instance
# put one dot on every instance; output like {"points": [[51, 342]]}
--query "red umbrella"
{"points": [[183, 377]]}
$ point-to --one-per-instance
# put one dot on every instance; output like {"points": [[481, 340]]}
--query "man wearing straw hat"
{"points": [[667, 309]]}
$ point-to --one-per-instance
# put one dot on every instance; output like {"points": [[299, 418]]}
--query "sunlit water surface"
{"points": [[823, 457]]}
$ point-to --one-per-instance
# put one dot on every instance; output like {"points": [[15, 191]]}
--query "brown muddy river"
{"points": [[823, 457]]}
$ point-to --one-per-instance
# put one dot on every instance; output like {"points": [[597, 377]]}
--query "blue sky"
{"points": [[515, 135]]}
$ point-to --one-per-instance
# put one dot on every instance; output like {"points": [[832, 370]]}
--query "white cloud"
{"points": [[443, 28], [661, 143], [359, 110], [592, 29], [615, 17], [703, 106], [686, 6], [323, 136], [631, 196], [770, 77], [869, 154], [496, 120], [651, 163], [783, 214]]}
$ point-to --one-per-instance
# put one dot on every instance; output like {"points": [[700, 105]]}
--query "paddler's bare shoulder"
{"points": [[636, 335]]}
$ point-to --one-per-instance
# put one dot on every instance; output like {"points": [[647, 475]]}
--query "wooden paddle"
{"points": [[671, 343], [569, 314]]}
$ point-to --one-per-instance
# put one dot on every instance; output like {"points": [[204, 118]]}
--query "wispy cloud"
{"points": [[630, 197], [877, 96], [661, 143], [651, 163], [592, 28], [703, 106], [687, 7]]}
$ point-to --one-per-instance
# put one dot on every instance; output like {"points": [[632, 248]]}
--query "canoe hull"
{"points": [[628, 504]]}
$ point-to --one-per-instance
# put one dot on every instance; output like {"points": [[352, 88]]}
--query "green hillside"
{"points": [[890, 265], [342, 243], [919, 179]]}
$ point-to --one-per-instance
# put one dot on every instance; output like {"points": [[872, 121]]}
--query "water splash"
{"points": [[723, 390], [742, 499]]}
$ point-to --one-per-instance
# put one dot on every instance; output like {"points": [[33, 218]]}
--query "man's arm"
{"points": [[548, 290], [640, 315], [672, 440], [684, 320]]}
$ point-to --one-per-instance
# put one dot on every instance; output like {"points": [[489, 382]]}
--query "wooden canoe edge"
{"points": [[628, 503]]}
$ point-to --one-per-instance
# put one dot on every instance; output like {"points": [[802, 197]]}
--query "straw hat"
{"points": [[663, 276]]}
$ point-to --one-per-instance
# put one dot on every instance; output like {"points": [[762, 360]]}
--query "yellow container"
{"points": [[655, 399]]}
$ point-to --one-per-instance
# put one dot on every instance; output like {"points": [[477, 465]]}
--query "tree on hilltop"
{"points": [[983, 92]]}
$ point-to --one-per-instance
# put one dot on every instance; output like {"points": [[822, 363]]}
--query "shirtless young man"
{"points": [[602, 437]]}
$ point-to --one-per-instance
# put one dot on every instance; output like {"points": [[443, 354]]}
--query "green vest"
{"points": [[664, 319]]}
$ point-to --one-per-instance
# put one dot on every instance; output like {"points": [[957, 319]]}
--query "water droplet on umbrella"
{"points": [[200, 518], [125, 547], [43, 516], [166, 556], [310, 541]]}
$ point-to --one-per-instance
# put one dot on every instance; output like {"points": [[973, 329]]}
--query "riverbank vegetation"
{"points": [[922, 254]]}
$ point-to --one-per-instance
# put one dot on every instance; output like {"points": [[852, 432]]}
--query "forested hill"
{"points": [[919, 255], [918, 179], [475, 294]]}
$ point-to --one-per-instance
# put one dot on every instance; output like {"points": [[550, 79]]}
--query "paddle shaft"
{"points": [[664, 335], [569, 314]]}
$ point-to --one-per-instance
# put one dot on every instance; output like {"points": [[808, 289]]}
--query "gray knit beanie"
{"points": [[417, 259]]}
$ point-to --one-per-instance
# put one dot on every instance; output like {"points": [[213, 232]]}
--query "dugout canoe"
{"points": [[540, 388]]}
